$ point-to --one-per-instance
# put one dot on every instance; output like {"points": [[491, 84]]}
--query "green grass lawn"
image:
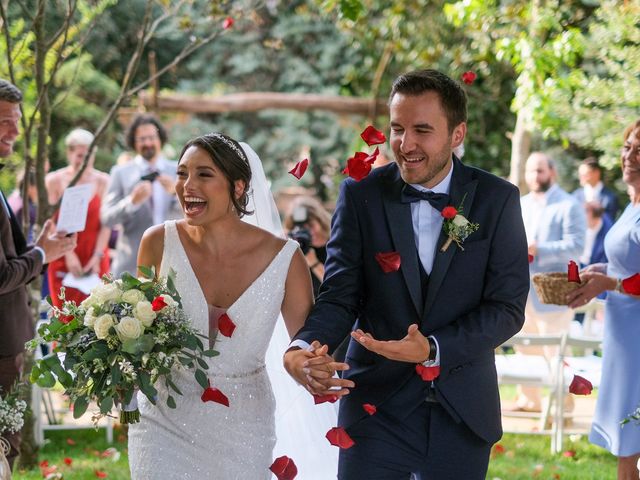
{"points": [[515, 457]]}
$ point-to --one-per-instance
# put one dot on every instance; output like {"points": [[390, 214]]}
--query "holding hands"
{"points": [[315, 369]]}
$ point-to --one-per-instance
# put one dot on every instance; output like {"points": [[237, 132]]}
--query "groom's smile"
{"points": [[420, 138]]}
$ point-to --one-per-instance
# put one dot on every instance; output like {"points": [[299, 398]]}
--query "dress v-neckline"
{"points": [[197, 282]]}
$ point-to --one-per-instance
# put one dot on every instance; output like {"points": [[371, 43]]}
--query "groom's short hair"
{"points": [[452, 96]]}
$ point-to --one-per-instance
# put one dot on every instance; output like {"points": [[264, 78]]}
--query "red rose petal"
{"points": [[228, 23], [100, 474], [67, 461], [318, 399], [340, 438], [284, 468], [158, 304], [428, 373], [449, 212], [211, 394], [358, 166], [388, 261], [632, 284], [580, 386], [225, 325], [71, 441], [498, 449], [370, 409], [531, 258], [44, 463], [572, 272], [569, 453], [469, 77], [300, 168], [373, 136], [65, 318]]}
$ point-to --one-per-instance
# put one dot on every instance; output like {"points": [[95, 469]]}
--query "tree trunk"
{"points": [[520, 149]]}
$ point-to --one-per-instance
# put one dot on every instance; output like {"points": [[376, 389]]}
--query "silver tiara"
{"points": [[231, 145]]}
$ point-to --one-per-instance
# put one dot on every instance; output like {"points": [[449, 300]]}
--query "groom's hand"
{"points": [[315, 369], [414, 348]]}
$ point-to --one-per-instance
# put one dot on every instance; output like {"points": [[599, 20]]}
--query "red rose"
{"points": [[469, 77], [373, 136], [300, 168], [65, 318], [449, 212], [388, 261], [284, 468], [340, 438], [632, 284], [225, 325], [158, 304], [211, 394], [318, 399], [580, 386], [428, 373], [228, 23], [572, 272], [370, 409]]}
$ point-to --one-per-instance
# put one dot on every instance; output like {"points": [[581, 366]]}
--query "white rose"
{"points": [[90, 318], [88, 302], [102, 325], [133, 296], [128, 329], [106, 292], [460, 221], [168, 299], [143, 311]]}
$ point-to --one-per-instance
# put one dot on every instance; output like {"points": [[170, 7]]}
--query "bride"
{"points": [[229, 259]]}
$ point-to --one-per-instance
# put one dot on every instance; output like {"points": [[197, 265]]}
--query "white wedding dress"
{"points": [[211, 441]]}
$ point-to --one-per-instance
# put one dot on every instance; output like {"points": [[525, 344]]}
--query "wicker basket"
{"points": [[553, 287]]}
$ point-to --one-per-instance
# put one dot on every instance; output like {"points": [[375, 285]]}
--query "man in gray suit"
{"points": [[19, 263], [141, 192], [555, 225]]}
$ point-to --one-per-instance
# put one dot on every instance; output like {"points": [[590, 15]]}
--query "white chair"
{"points": [[533, 370]]}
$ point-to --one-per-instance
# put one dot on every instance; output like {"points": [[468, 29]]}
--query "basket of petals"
{"points": [[553, 287]]}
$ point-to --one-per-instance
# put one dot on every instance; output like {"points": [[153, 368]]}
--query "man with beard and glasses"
{"points": [[555, 224], [141, 192]]}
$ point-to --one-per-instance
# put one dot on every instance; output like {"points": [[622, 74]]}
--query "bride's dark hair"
{"points": [[228, 156]]}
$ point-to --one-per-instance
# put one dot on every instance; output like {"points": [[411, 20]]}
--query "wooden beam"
{"points": [[254, 101]]}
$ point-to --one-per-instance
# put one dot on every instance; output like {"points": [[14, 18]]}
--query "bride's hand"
{"points": [[315, 369]]}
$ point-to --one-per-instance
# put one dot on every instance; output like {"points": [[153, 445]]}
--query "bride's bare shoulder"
{"points": [[152, 244]]}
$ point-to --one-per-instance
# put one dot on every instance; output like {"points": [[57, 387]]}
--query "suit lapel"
{"points": [[463, 186], [19, 242], [401, 228]]}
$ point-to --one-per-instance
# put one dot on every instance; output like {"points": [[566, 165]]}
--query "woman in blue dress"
{"points": [[619, 393]]}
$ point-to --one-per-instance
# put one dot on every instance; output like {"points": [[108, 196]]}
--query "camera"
{"points": [[150, 177], [300, 233]]}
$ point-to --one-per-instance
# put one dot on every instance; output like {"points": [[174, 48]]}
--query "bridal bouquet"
{"points": [[126, 336]]}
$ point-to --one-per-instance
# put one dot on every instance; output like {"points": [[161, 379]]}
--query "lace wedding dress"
{"points": [[207, 440]]}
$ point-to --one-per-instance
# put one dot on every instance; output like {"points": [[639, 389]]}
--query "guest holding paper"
{"points": [[91, 255], [619, 392]]}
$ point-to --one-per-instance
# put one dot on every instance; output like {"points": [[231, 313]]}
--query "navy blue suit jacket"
{"points": [[474, 302]]}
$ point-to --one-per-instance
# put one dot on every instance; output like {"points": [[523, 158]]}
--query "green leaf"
{"points": [[143, 343], [211, 353], [80, 406], [173, 386], [115, 375], [106, 404], [202, 363], [147, 272], [201, 377], [351, 9], [171, 402], [46, 380]]}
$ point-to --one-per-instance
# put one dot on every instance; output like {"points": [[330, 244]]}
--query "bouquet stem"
{"points": [[130, 412], [446, 244]]}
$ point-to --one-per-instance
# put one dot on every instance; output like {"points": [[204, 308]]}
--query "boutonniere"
{"points": [[456, 226]]}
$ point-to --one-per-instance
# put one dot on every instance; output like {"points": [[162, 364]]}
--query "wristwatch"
{"points": [[619, 288], [433, 351]]}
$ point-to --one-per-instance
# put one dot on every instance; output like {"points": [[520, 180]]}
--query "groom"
{"points": [[447, 309]]}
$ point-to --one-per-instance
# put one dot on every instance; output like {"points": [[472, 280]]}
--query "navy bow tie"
{"points": [[437, 200]]}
